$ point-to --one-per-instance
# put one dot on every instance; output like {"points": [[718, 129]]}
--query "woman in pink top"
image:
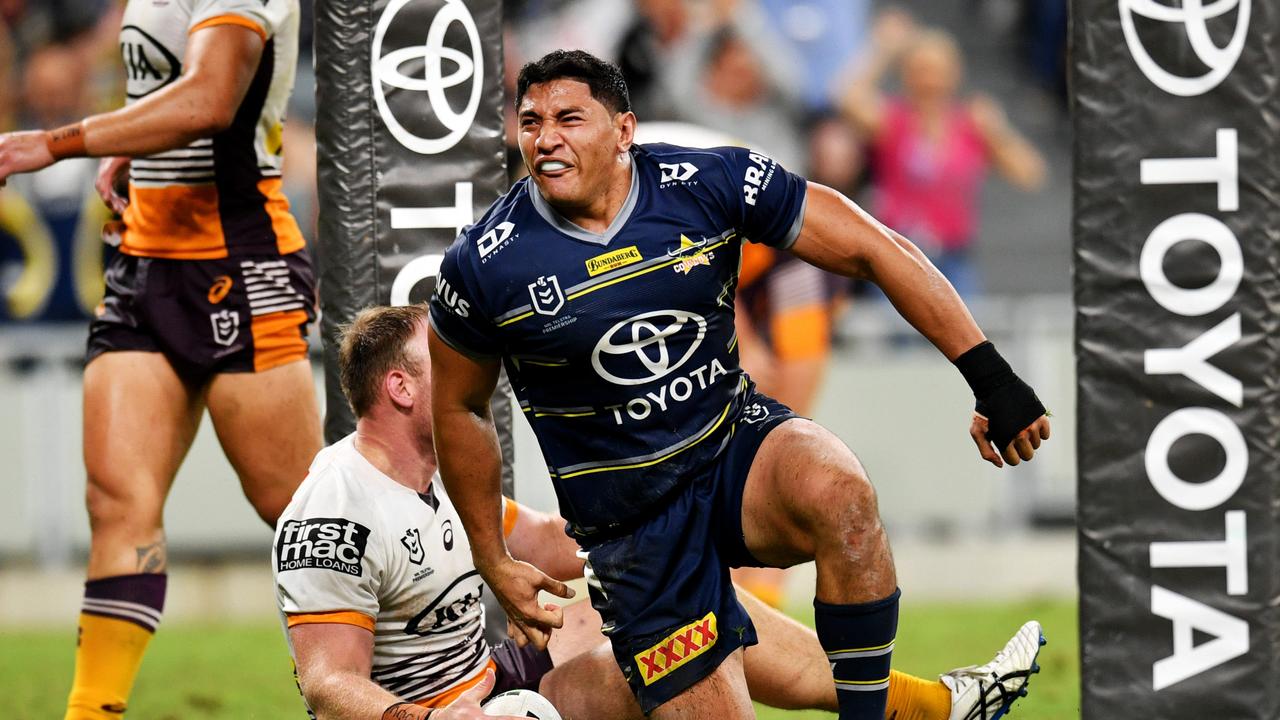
{"points": [[931, 150]]}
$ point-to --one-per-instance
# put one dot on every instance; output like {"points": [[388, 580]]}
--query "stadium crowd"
{"points": [[771, 73]]}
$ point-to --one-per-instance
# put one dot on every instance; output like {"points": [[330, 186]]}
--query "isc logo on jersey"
{"points": [[322, 543]]}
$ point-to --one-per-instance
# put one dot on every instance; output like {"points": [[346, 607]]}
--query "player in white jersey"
{"points": [[358, 548], [381, 601], [206, 304]]}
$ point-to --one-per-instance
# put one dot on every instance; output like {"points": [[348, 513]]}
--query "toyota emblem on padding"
{"points": [[388, 71], [1194, 17]]}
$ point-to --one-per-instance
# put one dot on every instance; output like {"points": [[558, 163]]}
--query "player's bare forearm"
{"points": [[467, 449], [471, 466], [345, 696], [334, 661], [220, 65], [841, 237]]}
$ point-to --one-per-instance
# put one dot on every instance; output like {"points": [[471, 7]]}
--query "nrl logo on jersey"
{"points": [[546, 295], [226, 326], [412, 542], [690, 255], [496, 239]]}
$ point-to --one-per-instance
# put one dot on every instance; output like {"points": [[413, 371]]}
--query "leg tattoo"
{"points": [[151, 558]]}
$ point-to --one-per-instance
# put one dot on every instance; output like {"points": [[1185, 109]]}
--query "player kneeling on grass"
{"points": [[376, 584]]}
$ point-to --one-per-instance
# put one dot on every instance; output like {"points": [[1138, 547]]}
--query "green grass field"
{"points": [[236, 672]]}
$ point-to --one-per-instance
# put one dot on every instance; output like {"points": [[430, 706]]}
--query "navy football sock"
{"points": [[859, 643]]}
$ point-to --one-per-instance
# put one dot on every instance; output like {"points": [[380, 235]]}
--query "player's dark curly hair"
{"points": [[604, 78]]}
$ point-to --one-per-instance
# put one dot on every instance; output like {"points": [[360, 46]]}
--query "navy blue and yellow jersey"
{"points": [[620, 346]]}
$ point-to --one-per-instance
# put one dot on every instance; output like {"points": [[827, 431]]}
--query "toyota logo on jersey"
{"points": [[648, 347]]}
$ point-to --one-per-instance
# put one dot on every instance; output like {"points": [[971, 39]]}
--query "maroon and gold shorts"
{"points": [[229, 315]]}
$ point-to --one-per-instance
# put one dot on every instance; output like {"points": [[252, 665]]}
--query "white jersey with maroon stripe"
{"points": [[356, 547], [218, 196]]}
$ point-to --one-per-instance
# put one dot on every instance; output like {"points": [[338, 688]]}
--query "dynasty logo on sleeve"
{"points": [[322, 543]]}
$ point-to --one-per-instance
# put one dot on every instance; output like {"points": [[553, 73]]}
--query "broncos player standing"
{"points": [[605, 284]]}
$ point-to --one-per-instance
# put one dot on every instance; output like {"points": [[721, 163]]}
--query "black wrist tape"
{"points": [[984, 369], [1008, 403]]}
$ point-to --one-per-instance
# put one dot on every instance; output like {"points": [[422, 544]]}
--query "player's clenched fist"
{"points": [[1009, 421], [1022, 447]]}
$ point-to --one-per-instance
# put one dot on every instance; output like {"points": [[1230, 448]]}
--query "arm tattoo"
{"points": [[405, 711], [151, 558]]}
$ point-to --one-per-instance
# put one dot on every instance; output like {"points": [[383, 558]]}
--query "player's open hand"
{"points": [[23, 152], [112, 183], [467, 706], [1022, 447], [516, 585]]}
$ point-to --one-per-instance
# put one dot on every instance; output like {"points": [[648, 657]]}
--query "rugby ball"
{"points": [[521, 703]]}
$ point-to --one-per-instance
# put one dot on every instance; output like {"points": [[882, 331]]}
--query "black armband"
{"points": [[1008, 403]]}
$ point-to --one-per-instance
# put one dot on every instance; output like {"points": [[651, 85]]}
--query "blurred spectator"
{"points": [[34, 24], [541, 26], [1045, 24], [658, 28], [736, 75], [8, 80], [50, 248], [826, 36], [930, 149], [837, 154]]}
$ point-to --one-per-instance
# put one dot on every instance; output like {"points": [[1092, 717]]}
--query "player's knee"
{"points": [[114, 502], [270, 504], [844, 506], [553, 687]]}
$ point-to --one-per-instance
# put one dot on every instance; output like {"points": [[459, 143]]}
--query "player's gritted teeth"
{"points": [[553, 168]]}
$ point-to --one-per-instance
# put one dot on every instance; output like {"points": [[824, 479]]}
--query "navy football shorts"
{"points": [[227, 315], [663, 588]]}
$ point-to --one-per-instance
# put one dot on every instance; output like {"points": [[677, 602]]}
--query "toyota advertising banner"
{"points": [[1177, 283], [410, 144]]}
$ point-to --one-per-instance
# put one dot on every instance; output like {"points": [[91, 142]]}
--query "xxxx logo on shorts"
{"points": [[677, 649], [219, 289]]}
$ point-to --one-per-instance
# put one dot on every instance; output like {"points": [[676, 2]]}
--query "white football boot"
{"points": [[986, 692]]}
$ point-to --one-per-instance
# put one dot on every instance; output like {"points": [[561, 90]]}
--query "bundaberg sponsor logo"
{"points": [[601, 264]]}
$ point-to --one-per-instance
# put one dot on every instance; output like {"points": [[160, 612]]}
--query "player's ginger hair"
{"points": [[376, 343]]}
